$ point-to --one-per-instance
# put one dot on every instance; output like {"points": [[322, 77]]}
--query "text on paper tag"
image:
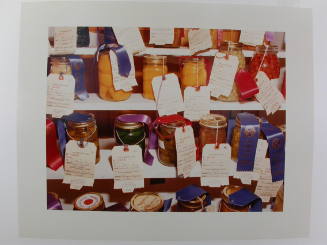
{"points": [[199, 40], [196, 102], [65, 39], [161, 36], [130, 38], [252, 38]]}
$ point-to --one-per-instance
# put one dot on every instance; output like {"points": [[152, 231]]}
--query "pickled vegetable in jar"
{"points": [[60, 65], [212, 130], [83, 128], [225, 204], [107, 90], [153, 66], [130, 133], [234, 49], [265, 59], [193, 72]]}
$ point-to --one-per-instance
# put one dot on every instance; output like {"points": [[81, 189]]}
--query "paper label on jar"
{"points": [[130, 38], [161, 144], [265, 187], [223, 74], [252, 38], [199, 40], [60, 94], [196, 102], [79, 164], [161, 36], [186, 150], [269, 97], [216, 165], [127, 168], [167, 94], [65, 39], [121, 82]]}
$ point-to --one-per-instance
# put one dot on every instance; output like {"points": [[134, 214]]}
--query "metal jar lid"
{"points": [[89, 201], [213, 121], [80, 120], [147, 202], [128, 125], [155, 59], [196, 203]]}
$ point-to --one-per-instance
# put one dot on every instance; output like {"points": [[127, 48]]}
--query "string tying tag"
{"points": [[126, 148], [216, 141], [61, 76], [163, 68], [183, 129], [227, 53], [263, 58]]}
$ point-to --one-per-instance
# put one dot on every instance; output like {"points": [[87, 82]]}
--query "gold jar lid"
{"points": [[213, 121], [173, 125], [155, 59], [128, 125], [59, 60], [89, 201], [231, 46], [228, 190], [147, 202], [195, 203]]}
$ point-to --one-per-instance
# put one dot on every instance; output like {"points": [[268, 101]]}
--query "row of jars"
{"points": [[194, 71], [153, 202], [213, 130], [94, 36]]}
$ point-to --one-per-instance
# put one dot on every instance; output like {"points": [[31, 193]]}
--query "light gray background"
{"points": [[9, 23]]}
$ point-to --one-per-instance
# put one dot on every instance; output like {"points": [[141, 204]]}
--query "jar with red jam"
{"points": [[265, 59]]}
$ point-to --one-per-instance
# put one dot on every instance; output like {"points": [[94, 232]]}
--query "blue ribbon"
{"points": [[230, 127], [61, 132], [276, 148], [78, 70], [109, 36], [243, 198], [83, 37], [250, 130], [78, 117], [192, 192], [166, 205]]}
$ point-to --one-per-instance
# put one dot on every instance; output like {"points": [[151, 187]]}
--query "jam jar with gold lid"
{"points": [[90, 201], [212, 130], [196, 204], [147, 202], [153, 66], [82, 128], [60, 65], [225, 204], [193, 72]]}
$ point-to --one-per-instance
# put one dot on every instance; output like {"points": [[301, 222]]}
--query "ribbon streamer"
{"points": [[83, 37], [53, 157], [243, 198], [192, 192], [61, 132], [53, 203]]}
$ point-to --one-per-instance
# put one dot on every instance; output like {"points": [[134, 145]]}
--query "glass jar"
{"points": [[147, 202], [279, 200], [234, 49], [130, 133], [60, 65], [225, 205], [107, 90], [83, 128], [265, 59], [145, 33], [153, 66], [193, 72], [91, 201], [210, 125], [196, 204], [228, 36]]}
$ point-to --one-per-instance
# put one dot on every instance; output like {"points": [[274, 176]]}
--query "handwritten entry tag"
{"points": [[60, 94], [186, 150], [167, 94], [223, 75], [65, 39], [161, 36], [79, 164], [197, 102], [130, 38], [127, 168], [216, 165], [199, 40], [252, 38], [269, 96]]}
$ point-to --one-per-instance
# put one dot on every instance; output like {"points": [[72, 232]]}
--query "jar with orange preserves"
{"points": [[193, 72], [153, 66]]}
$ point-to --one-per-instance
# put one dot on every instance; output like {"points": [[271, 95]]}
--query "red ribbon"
{"points": [[246, 85], [284, 86], [54, 158]]}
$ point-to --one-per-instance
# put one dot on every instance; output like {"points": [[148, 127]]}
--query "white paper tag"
{"points": [[223, 75], [60, 94], [216, 165], [269, 97], [168, 94], [161, 36], [130, 38], [79, 164], [186, 150], [199, 40], [65, 39], [127, 168], [120, 82], [265, 187], [252, 38], [196, 102]]}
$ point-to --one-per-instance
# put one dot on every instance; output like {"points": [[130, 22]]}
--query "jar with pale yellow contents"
{"points": [[153, 66], [193, 72], [60, 65], [234, 49]]}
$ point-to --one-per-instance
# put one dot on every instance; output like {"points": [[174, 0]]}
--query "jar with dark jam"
{"points": [[226, 206]]}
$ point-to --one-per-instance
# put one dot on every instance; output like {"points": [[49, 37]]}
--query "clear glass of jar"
{"points": [[83, 128], [225, 205], [235, 49], [193, 72], [107, 90], [153, 66], [265, 59], [212, 130], [60, 65]]}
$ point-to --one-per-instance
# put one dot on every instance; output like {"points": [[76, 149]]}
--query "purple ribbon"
{"points": [[127, 118], [192, 192], [269, 36], [243, 198], [230, 127], [276, 148], [250, 130], [53, 203]]}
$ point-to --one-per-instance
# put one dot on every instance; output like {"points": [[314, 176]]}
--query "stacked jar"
{"points": [[193, 72]]}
